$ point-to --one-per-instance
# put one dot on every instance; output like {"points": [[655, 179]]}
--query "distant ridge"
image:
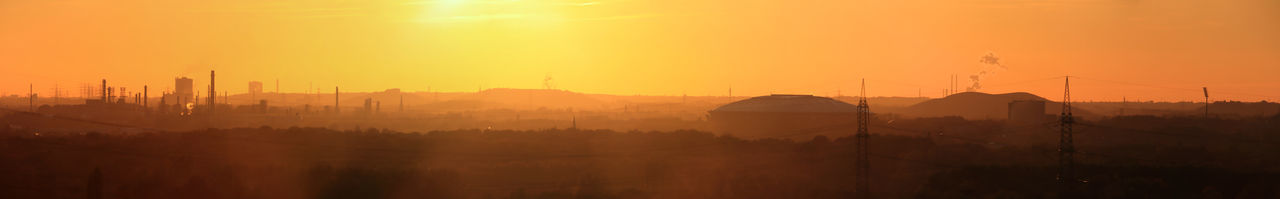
{"points": [[531, 98]]}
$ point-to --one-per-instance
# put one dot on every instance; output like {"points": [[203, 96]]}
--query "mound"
{"points": [[974, 105]]}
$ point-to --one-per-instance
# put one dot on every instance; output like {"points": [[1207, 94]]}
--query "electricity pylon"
{"points": [[862, 184], [1066, 146]]}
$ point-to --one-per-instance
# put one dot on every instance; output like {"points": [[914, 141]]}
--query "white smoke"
{"points": [[990, 66], [547, 83]]}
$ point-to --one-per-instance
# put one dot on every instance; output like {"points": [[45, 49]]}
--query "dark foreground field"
{"points": [[1129, 157]]}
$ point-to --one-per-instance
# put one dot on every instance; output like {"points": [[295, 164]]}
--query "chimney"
{"points": [[213, 94], [336, 108], [104, 90]]}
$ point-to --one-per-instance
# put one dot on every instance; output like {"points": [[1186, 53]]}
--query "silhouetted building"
{"points": [[102, 99], [787, 116], [183, 90], [368, 105], [1027, 112]]}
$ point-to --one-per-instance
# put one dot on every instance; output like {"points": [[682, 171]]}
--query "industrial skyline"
{"points": [[639, 99], [1161, 50], [183, 86]]}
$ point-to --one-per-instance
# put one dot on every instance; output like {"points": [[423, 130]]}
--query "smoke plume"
{"points": [[990, 65], [546, 82]]}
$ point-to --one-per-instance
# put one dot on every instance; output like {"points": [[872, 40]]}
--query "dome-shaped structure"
{"points": [[785, 116], [789, 104]]}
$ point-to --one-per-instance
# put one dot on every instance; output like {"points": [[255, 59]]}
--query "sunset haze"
{"points": [[1131, 49]]}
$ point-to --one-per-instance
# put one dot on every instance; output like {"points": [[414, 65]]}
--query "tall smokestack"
{"points": [[213, 94], [144, 97], [104, 90], [1206, 102], [336, 108], [161, 107]]}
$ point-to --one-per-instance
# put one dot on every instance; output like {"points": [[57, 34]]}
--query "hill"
{"points": [[975, 105], [508, 98]]}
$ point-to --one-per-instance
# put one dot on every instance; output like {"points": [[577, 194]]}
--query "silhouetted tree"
{"points": [[94, 189]]}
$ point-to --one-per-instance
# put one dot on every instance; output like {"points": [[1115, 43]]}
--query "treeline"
{"points": [[923, 158], [1097, 181], [375, 163]]}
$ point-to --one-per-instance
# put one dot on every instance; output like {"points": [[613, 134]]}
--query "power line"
{"points": [[1166, 87], [1022, 82]]}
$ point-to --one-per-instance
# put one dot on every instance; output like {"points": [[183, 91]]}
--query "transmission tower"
{"points": [[862, 184], [1066, 147]]}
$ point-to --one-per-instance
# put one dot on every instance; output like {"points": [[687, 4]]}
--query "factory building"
{"points": [[183, 90], [1027, 112]]}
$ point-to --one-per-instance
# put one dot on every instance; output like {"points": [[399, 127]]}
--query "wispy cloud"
{"points": [[619, 17], [273, 10], [469, 11], [473, 18], [501, 2]]}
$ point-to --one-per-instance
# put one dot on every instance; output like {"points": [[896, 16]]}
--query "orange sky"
{"points": [[1138, 49]]}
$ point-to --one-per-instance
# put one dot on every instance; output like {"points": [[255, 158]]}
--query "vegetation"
{"points": [[1124, 157]]}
